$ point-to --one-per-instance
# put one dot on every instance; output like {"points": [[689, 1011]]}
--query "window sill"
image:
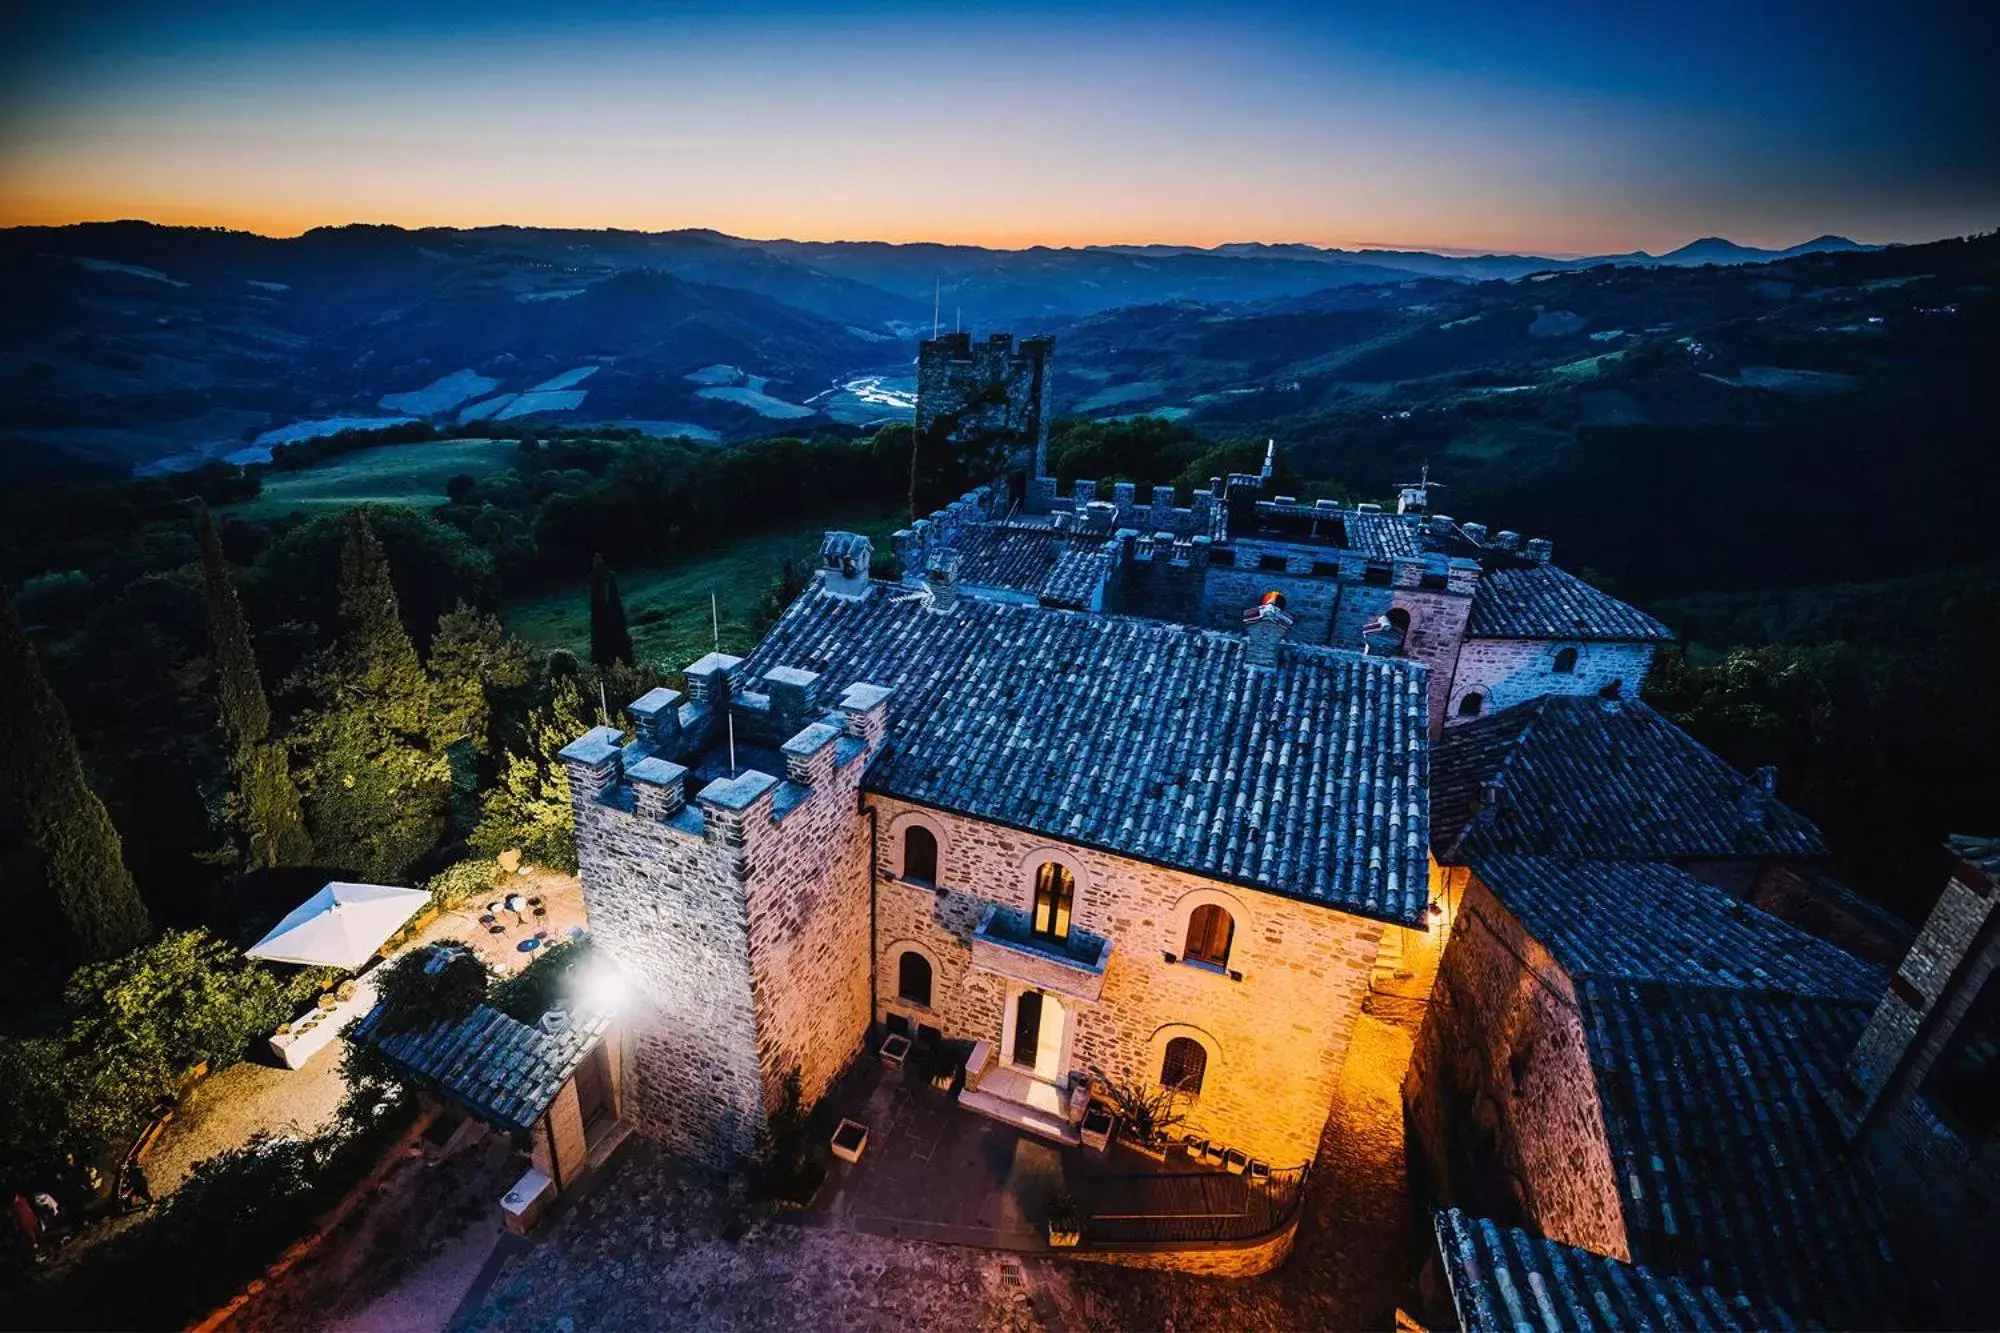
{"points": [[1222, 971], [911, 881]]}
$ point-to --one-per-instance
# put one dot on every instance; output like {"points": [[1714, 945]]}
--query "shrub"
{"points": [[466, 882], [543, 984], [424, 987], [1148, 1113], [786, 1168]]}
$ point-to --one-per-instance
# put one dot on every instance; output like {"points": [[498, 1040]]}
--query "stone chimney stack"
{"points": [[941, 579], [1474, 533], [1441, 525], [844, 558], [1541, 550], [1507, 540], [1264, 628]]}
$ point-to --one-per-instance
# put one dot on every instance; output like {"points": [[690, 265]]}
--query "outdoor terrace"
{"points": [[936, 1172]]}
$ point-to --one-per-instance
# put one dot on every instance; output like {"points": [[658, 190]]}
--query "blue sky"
{"points": [[1561, 127]]}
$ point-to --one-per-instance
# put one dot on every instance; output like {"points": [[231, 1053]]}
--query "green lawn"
{"points": [[405, 474], [667, 605]]}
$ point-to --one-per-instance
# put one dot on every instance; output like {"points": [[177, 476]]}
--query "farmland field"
{"points": [[405, 474], [667, 605]]}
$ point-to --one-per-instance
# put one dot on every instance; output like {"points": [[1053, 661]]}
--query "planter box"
{"points": [[895, 1049], [1064, 1238], [1234, 1161], [1260, 1170], [849, 1140], [1213, 1154], [1156, 1151], [1097, 1126]]}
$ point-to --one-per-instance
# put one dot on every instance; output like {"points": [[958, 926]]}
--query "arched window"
{"points": [[913, 978], [1055, 895], [1398, 618], [1185, 1064], [1565, 662], [1471, 705], [1210, 929], [920, 854]]}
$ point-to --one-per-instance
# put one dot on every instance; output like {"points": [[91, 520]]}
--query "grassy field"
{"points": [[406, 474], [667, 605]]}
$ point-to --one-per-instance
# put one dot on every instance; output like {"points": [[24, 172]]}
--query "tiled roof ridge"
{"points": [[1488, 812]]}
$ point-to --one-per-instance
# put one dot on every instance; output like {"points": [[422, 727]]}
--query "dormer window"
{"points": [[1472, 705], [1565, 662]]}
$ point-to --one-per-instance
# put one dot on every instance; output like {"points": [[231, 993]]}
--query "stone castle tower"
{"points": [[997, 390]]}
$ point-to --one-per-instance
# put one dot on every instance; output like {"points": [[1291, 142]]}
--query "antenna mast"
{"points": [[937, 294], [715, 628]]}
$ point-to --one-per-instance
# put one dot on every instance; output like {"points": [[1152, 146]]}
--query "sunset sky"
{"points": [[1557, 128]]}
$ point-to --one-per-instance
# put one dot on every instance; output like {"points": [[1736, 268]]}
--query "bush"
{"points": [[464, 883], [1147, 1113], [543, 984], [786, 1169], [424, 987]]}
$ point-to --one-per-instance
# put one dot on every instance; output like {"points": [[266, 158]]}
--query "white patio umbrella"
{"points": [[340, 926]]}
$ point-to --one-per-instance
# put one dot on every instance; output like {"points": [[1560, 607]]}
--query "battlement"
{"points": [[1159, 512], [677, 772], [915, 545], [993, 391], [959, 346]]}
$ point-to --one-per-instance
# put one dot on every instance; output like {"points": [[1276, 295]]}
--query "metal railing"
{"points": [[1192, 1207]]}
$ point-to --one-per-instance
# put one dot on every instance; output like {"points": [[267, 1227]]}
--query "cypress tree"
{"points": [[267, 803], [610, 640], [376, 769], [42, 777]]}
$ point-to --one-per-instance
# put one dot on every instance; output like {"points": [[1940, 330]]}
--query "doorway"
{"points": [[1035, 1044]]}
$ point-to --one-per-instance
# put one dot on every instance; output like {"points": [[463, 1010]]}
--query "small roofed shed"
{"points": [[342, 925]]}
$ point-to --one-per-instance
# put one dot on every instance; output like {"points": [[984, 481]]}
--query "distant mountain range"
{"points": [[127, 343]]}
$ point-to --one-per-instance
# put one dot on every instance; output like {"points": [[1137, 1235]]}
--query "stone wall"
{"points": [[807, 891], [1250, 1258], [1505, 672], [668, 908], [996, 389], [1276, 1038], [1502, 1106]]}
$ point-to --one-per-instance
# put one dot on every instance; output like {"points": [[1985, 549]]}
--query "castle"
{"points": [[1137, 792]]}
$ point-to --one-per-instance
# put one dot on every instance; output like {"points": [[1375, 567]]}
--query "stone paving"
{"points": [[651, 1247]]}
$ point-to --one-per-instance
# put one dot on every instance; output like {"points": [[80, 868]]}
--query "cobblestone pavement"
{"points": [[649, 1248]]}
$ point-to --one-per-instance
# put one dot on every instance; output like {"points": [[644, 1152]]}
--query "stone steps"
{"points": [[1020, 1116]]}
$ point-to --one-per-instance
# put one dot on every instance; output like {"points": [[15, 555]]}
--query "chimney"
{"points": [[1490, 789], [1540, 550], [1507, 540], [1441, 524], [656, 719], [844, 558], [1264, 627], [941, 579], [1474, 533], [1750, 805], [1766, 778]]}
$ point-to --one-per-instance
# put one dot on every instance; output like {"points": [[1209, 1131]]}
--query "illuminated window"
{"points": [[1055, 895], [920, 854], [1185, 1064], [1565, 662], [1471, 705], [913, 978], [1210, 929]]}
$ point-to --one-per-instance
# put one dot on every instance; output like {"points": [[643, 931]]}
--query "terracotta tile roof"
{"points": [[1648, 921], [1144, 739], [1017, 558], [1583, 778], [1541, 601], [1731, 1166], [1505, 1278], [502, 1070], [1078, 573]]}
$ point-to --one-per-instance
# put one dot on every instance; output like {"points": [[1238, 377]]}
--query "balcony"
{"points": [[1005, 943]]}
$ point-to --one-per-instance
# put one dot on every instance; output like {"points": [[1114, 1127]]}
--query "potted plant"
{"points": [[1147, 1115], [937, 1063], [1065, 1221], [1098, 1122]]}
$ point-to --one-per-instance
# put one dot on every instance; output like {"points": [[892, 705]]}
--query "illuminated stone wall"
{"points": [[1503, 1110], [1511, 671], [1277, 1038]]}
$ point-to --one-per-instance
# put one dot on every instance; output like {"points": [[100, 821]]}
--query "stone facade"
{"points": [[995, 389], [1505, 672], [741, 921], [1503, 1109], [1274, 1024]]}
